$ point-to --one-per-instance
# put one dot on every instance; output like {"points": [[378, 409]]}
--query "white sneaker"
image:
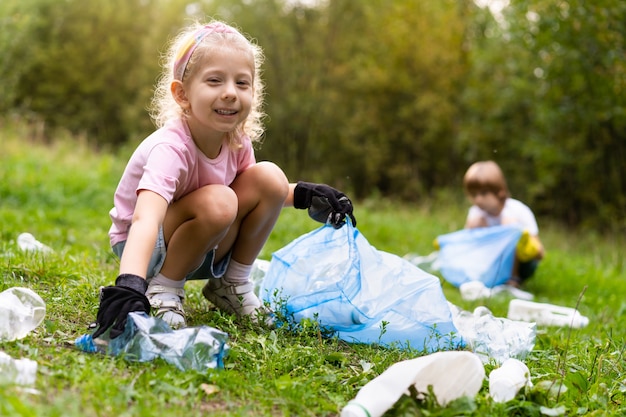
{"points": [[168, 303], [238, 299]]}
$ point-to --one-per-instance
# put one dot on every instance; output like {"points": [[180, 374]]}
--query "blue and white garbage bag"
{"points": [[360, 294], [483, 254]]}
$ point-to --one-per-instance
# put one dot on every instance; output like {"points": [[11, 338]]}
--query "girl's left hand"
{"points": [[324, 203]]}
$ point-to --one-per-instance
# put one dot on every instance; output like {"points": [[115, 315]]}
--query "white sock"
{"points": [[161, 279], [237, 273]]}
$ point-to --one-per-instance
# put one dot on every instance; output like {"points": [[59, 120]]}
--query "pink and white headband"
{"points": [[185, 52]]}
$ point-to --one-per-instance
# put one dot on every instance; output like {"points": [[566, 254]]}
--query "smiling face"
{"points": [[217, 96]]}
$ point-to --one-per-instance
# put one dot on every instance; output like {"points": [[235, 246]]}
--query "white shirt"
{"points": [[514, 212]]}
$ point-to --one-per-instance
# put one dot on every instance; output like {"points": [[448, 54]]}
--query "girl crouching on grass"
{"points": [[193, 203]]}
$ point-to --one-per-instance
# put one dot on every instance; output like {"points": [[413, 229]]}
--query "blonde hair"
{"points": [[164, 107], [485, 176]]}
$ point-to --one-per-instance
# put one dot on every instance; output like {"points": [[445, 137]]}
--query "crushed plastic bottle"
{"points": [[452, 374], [259, 269], [494, 338], [146, 338], [507, 380], [28, 243], [17, 371], [21, 311], [546, 314]]}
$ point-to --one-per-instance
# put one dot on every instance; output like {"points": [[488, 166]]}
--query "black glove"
{"points": [[325, 204], [128, 295]]}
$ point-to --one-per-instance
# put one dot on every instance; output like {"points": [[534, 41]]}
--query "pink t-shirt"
{"points": [[168, 163]]}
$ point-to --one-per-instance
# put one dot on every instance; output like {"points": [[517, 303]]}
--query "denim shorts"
{"points": [[206, 270]]}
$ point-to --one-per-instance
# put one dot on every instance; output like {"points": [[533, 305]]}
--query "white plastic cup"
{"points": [[21, 311], [452, 374], [507, 380]]}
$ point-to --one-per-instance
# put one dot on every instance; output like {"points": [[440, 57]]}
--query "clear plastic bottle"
{"points": [[494, 338], [146, 338], [17, 371], [21, 311]]}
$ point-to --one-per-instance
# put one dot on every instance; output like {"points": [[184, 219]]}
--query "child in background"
{"points": [[486, 187], [193, 203]]}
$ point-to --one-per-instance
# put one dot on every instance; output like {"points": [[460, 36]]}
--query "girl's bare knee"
{"points": [[217, 205], [271, 179]]}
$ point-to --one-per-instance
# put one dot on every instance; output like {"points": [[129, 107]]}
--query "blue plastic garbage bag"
{"points": [[361, 294], [483, 254]]}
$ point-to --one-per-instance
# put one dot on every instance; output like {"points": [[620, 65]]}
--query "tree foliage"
{"points": [[385, 97], [87, 67], [554, 114]]}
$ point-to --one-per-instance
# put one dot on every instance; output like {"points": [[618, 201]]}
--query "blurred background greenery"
{"points": [[381, 98]]}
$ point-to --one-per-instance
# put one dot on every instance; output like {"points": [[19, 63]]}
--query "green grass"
{"points": [[61, 193]]}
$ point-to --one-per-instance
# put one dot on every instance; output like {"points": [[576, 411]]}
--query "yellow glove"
{"points": [[527, 247]]}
